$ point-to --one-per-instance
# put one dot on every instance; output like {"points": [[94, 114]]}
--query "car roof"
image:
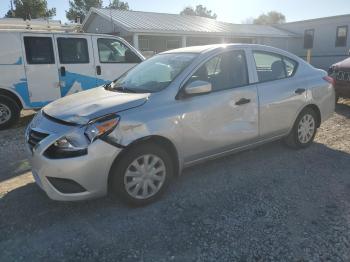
{"points": [[208, 48], [199, 49]]}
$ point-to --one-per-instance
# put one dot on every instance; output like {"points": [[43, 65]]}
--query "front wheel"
{"points": [[9, 112], [142, 174], [304, 130]]}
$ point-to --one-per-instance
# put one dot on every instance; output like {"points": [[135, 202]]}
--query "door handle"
{"points": [[98, 70], [242, 101], [299, 91], [63, 71]]}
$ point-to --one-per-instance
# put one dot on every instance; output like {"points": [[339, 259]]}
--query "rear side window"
{"points": [[271, 66], [114, 51], [225, 71], [39, 50], [73, 50]]}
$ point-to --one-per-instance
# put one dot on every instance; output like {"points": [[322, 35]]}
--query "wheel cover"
{"points": [[5, 113], [145, 176], [306, 128]]}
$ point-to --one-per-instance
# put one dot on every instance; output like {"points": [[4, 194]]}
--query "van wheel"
{"points": [[142, 174], [9, 112], [304, 130]]}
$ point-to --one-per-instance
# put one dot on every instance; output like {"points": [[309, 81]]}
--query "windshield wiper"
{"points": [[108, 86], [123, 89]]}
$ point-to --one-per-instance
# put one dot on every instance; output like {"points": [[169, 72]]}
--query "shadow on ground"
{"points": [[263, 204], [343, 107]]}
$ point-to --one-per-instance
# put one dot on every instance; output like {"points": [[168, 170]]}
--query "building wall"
{"points": [[324, 52]]}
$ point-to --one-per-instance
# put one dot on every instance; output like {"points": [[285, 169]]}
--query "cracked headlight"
{"points": [[101, 126]]}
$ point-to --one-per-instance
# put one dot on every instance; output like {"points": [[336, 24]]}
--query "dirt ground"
{"points": [[270, 203]]}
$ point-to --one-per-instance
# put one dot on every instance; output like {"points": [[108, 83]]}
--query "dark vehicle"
{"points": [[340, 72]]}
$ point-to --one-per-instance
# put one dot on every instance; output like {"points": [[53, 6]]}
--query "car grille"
{"points": [[35, 137], [343, 76]]}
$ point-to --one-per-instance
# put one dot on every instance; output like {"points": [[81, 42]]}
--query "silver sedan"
{"points": [[178, 108]]}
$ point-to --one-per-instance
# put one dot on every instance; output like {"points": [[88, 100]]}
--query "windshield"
{"points": [[154, 74]]}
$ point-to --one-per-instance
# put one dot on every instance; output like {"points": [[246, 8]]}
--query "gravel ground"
{"points": [[266, 204]]}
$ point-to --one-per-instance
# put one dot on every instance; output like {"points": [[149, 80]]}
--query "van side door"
{"points": [[41, 69], [113, 57], [75, 63]]}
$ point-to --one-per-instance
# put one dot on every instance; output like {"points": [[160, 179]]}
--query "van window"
{"points": [[225, 71], [272, 66], [114, 51], [39, 50], [73, 50]]}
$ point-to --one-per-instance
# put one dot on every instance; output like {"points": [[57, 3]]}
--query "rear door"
{"points": [[113, 57], [76, 63], [41, 69], [281, 94]]}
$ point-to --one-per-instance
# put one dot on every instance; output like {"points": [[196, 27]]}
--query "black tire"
{"points": [[292, 140], [8, 104], [119, 168]]}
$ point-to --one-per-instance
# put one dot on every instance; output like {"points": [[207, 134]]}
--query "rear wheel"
{"points": [[9, 112], [304, 130], [142, 174]]}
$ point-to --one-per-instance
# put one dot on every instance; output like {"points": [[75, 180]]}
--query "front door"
{"points": [[113, 58], [76, 63], [41, 69], [225, 118]]}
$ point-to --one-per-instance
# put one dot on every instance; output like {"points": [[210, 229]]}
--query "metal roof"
{"points": [[162, 23]]}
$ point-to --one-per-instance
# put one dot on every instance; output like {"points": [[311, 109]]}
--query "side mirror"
{"points": [[198, 87]]}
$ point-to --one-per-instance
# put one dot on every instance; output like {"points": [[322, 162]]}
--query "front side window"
{"points": [[154, 74], [271, 66], [39, 50], [73, 50], [342, 35], [114, 51], [225, 71], [309, 38]]}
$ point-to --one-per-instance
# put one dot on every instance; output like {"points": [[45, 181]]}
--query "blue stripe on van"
{"points": [[22, 89], [84, 82], [79, 82], [18, 62]]}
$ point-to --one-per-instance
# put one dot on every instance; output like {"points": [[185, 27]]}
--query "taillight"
{"points": [[329, 79]]}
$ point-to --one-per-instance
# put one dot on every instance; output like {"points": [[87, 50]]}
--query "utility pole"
{"points": [[12, 11], [110, 14]]}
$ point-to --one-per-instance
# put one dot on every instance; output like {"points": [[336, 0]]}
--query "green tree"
{"points": [[271, 18], [80, 8], [116, 4], [200, 10], [30, 9]]}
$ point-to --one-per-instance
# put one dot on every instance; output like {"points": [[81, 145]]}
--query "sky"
{"points": [[234, 11]]}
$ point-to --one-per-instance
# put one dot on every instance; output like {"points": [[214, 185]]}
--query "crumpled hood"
{"points": [[82, 107], [344, 64]]}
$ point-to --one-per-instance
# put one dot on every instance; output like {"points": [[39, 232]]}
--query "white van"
{"points": [[39, 67]]}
